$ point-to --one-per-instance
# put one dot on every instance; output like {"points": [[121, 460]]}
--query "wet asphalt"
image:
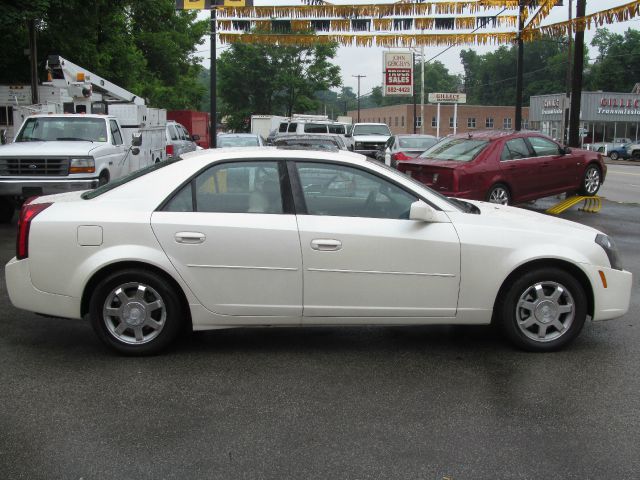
{"points": [[324, 403]]}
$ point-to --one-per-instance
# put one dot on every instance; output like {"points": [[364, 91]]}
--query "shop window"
{"points": [[488, 123], [396, 121], [506, 124], [451, 122], [434, 122], [471, 123], [402, 120]]}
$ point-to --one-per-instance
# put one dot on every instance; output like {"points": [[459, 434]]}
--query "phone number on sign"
{"points": [[391, 89]]}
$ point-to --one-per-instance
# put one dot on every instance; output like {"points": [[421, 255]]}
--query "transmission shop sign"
{"points": [[447, 98], [398, 73]]}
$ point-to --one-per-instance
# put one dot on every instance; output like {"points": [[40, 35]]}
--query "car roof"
{"points": [[497, 134], [269, 154]]}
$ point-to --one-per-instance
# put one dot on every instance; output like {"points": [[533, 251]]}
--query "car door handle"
{"points": [[326, 245], [191, 238]]}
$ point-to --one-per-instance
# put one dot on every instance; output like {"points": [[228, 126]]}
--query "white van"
{"points": [[317, 127]]}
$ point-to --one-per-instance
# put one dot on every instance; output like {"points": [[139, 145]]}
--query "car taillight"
{"points": [[27, 213], [400, 157], [169, 149]]}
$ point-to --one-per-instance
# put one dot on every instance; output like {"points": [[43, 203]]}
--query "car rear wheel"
{"points": [[591, 181], [543, 310], [103, 179], [614, 156], [136, 312], [499, 193]]}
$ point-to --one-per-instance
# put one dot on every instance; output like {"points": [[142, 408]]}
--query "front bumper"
{"points": [[24, 295], [612, 301], [22, 187], [368, 153]]}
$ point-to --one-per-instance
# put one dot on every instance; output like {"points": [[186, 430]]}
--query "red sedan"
{"points": [[506, 167]]}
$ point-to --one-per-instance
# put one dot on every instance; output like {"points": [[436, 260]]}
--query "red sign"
{"points": [[398, 73]]}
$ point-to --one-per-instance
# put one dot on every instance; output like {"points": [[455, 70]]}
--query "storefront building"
{"points": [[604, 116], [470, 118]]}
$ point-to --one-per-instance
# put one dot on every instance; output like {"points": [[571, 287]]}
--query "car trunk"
{"points": [[438, 175]]}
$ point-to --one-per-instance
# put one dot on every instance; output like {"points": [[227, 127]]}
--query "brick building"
{"points": [[470, 118]]}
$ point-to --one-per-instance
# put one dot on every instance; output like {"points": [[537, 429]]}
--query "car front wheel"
{"points": [[591, 181], [543, 310], [136, 312], [499, 193]]}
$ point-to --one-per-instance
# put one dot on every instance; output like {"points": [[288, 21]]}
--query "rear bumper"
{"points": [[28, 188], [24, 295]]}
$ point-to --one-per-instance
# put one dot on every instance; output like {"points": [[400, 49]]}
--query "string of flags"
{"points": [[402, 24]]}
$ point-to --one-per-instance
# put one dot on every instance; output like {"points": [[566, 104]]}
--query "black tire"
{"points": [[635, 155], [591, 181], [500, 194], [7, 209], [103, 179], [614, 156], [150, 318], [539, 314]]}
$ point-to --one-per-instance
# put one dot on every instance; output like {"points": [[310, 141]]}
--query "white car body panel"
{"points": [[260, 268], [362, 279], [252, 259]]}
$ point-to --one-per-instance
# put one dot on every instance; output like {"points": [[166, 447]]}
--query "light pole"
{"points": [[359, 77]]}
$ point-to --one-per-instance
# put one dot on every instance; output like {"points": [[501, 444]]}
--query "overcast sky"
{"points": [[368, 60]]}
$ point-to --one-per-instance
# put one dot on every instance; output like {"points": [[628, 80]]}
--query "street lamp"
{"points": [[359, 77]]}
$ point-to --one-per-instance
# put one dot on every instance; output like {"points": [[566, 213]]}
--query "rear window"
{"points": [[458, 149], [417, 143], [88, 195], [339, 129], [315, 128]]}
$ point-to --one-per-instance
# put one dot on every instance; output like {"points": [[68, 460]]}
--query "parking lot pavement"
{"points": [[324, 403]]}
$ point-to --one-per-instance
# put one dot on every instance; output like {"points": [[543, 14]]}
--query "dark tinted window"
{"points": [[515, 149], [315, 128], [242, 187]]}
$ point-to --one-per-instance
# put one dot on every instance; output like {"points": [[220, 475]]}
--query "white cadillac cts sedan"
{"points": [[238, 238]]}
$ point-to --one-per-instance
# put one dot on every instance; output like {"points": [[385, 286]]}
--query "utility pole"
{"points": [[33, 61], [213, 134], [359, 77], [520, 68], [576, 83], [565, 107], [422, 89]]}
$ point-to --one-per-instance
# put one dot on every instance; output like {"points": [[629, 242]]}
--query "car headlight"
{"points": [[359, 145], [610, 249], [82, 165]]}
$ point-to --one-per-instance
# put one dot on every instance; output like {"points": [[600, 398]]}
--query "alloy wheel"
{"points": [[134, 313], [545, 311]]}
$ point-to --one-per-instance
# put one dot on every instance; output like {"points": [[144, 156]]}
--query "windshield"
{"points": [[237, 142], [89, 194], [458, 149], [371, 130], [39, 129], [417, 143]]}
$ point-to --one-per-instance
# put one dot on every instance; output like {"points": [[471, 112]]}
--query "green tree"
{"points": [[145, 46], [273, 79], [617, 67], [490, 79]]}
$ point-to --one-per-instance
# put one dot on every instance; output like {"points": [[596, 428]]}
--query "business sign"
{"points": [[447, 98], [619, 106], [206, 4], [398, 73]]}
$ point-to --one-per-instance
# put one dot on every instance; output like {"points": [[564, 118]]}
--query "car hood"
{"points": [[523, 219], [49, 149], [371, 138]]}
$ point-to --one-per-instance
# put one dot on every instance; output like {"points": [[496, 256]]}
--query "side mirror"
{"points": [[566, 151], [423, 212], [195, 138], [135, 150], [3, 136], [136, 140], [348, 135]]}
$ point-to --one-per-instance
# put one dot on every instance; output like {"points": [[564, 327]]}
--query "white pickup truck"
{"points": [[59, 153], [368, 138]]}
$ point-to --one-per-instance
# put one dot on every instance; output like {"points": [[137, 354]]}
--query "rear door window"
{"points": [[315, 128]]}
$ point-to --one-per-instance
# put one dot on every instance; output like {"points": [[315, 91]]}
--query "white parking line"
{"points": [[620, 172]]}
